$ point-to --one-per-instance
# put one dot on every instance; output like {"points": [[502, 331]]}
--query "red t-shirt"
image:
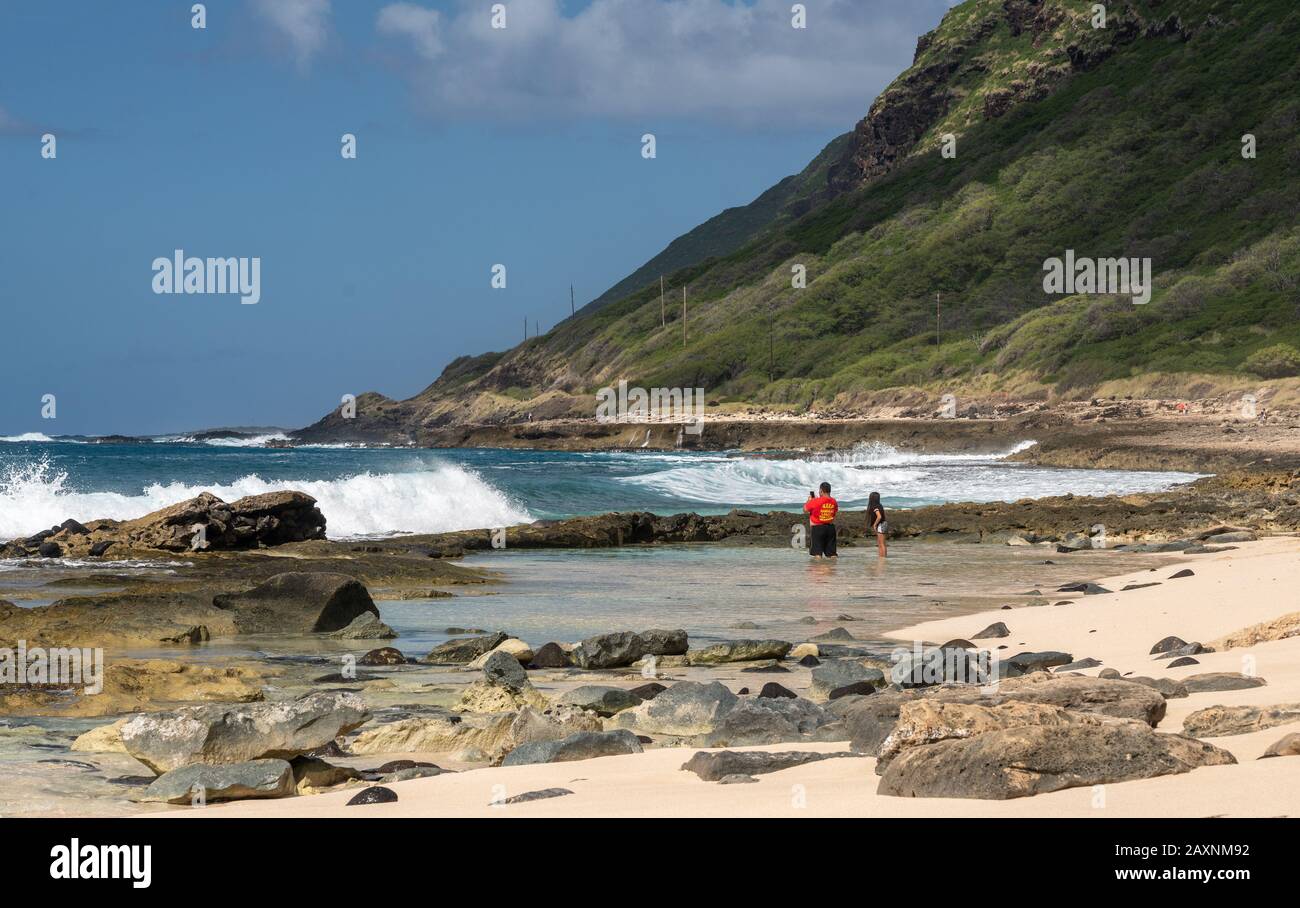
{"points": [[821, 510]]}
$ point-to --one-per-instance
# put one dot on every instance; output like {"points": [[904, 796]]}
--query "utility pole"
{"points": [[663, 313], [535, 331], [936, 318], [771, 346], [683, 315], [525, 328], [572, 311]]}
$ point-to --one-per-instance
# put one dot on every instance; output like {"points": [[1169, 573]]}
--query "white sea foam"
{"points": [[36, 495], [27, 437], [895, 474]]}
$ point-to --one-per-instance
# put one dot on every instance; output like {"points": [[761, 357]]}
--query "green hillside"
{"points": [[1123, 141]]}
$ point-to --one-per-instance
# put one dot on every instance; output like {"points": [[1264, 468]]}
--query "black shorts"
{"points": [[821, 541]]}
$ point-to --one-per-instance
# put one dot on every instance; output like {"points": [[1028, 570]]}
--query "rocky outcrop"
{"points": [[298, 603], [838, 673], [200, 524], [470, 736], [238, 733], [602, 699], [1029, 760], [687, 708], [201, 783], [132, 685], [609, 650], [504, 687], [1277, 629]]}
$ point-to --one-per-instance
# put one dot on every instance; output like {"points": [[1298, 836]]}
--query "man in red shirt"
{"points": [[821, 514]]}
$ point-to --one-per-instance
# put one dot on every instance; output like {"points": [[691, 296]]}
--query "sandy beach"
{"points": [[1228, 591]]}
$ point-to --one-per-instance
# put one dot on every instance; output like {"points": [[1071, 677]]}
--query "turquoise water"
{"points": [[376, 492]]}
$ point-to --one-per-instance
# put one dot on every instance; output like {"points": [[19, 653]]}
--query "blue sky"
{"points": [[475, 146]]}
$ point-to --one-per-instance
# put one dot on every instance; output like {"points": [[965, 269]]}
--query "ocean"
{"points": [[374, 492]]}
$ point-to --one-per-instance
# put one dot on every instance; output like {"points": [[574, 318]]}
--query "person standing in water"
{"points": [[821, 514], [879, 525]]}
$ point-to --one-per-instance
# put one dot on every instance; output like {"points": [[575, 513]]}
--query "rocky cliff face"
{"points": [[959, 77]]}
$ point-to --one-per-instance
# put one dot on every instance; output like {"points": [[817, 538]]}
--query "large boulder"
{"points": [[687, 708], [236, 733], [1029, 760], [609, 650], [583, 745], [1209, 682], [227, 782], [206, 523], [739, 651], [298, 603]]}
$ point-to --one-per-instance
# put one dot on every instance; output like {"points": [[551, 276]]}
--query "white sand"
{"points": [[1229, 591]]}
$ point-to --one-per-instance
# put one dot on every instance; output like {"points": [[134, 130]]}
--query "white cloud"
{"points": [[419, 25], [303, 24], [706, 59]]}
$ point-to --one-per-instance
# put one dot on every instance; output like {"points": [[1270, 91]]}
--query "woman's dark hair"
{"points": [[873, 503]]}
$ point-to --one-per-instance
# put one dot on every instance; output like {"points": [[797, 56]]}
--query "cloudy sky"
{"points": [[476, 146]]}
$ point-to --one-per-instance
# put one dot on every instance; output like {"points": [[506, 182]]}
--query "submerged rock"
{"points": [[739, 651], [714, 767], [298, 603], [464, 650]]}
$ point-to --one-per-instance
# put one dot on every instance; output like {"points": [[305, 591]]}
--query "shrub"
{"points": [[1278, 361]]}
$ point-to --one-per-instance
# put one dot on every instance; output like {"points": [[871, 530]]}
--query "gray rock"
{"points": [[772, 689], [551, 655], [237, 733], [1167, 645], [769, 721], [317, 773], [608, 650], [1185, 572], [1109, 673], [504, 670], [1225, 538], [839, 673], [602, 699], [298, 603], [540, 794], [713, 767], [1168, 687], [375, 794], [664, 643], [1182, 661], [648, 691], [996, 629], [464, 649], [1027, 663], [583, 745], [736, 779], [1088, 589], [1029, 760], [835, 633], [365, 627], [1286, 746], [687, 708], [739, 651], [226, 782], [385, 655], [1207, 682], [1079, 665]]}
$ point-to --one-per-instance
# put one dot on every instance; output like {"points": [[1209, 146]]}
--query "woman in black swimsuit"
{"points": [[879, 525]]}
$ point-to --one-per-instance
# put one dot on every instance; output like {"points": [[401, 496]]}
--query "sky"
{"points": [[475, 146]]}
